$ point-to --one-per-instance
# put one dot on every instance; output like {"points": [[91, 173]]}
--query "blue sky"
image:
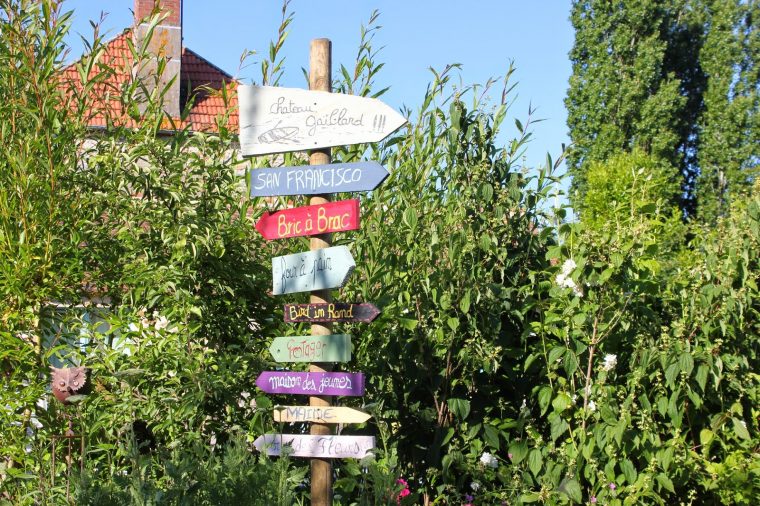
{"points": [[482, 35]]}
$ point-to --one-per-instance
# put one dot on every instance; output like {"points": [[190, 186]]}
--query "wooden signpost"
{"points": [[326, 447], [329, 348], [332, 312], [277, 120], [309, 220], [317, 179], [319, 269], [312, 383], [329, 414]]}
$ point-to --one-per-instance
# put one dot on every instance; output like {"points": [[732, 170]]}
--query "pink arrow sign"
{"points": [[312, 383], [325, 447], [310, 220]]}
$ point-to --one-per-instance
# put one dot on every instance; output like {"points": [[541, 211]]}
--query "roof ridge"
{"points": [[216, 67]]}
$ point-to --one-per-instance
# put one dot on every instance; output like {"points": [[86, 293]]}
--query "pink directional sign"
{"points": [[312, 383]]}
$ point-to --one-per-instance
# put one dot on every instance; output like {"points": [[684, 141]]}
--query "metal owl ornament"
{"points": [[68, 381]]}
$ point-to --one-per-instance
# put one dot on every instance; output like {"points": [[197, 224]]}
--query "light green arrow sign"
{"points": [[331, 348]]}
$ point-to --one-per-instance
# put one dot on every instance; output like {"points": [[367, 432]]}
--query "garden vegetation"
{"points": [[521, 356]]}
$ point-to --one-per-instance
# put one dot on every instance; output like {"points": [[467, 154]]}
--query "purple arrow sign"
{"points": [[312, 383]]}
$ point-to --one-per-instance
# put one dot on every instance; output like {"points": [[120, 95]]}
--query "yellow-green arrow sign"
{"points": [[319, 414], [330, 348]]}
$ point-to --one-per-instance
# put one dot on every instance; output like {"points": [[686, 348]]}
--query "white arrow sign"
{"points": [[278, 120], [324, 447], [320, 269]]}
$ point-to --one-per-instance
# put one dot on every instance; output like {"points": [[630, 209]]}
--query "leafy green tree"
{"points": [[627, 90], [677, 79], [729, 126]]}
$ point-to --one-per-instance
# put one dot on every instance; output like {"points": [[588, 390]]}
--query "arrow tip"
{"points": [[261, 222], [260, 381]]}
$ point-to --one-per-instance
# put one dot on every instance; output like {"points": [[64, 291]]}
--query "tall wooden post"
{"points": [[320, 72]]}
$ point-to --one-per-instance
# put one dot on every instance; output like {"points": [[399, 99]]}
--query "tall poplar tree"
{"points": [[730, 124], [676, 79]]}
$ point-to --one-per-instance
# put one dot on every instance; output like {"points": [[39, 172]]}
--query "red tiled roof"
{"points": [[196, 75]]}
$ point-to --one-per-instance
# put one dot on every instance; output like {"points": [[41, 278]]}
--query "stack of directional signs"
{"points": [[276, 120]]}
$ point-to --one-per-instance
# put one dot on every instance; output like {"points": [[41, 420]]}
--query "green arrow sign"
{"points": [[331, 348]]}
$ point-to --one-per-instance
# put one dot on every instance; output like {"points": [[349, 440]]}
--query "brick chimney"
{"points": [[166, 42]]}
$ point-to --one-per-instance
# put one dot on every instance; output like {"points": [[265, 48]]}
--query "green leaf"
{"points": [[544, 397], [484, 242], [701, 376], [740, 429], [686, 363], [555, 353], [408, 323], [453, 323], [460, 407], [572, 488], [705, 437], [561, 402], [671, 373], [535, 461], [528, 361], [665, 483], [558, 427], [446, 464], [410, 217], [464, 303], [628, 471], [486, 192], [518, 450], [448, 436], [666, 457], [571, 363], [491, 435]]}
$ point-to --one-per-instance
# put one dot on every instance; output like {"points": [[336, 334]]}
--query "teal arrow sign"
{"points": [[320, 269], [331, 348]]}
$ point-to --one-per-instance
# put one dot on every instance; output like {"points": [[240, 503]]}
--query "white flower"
{"points": [[489, 460], [524, 404], [568, 266], [161, 322], [475, 486], [610, 361], [565, 281], [591, 406], [574, 398]]}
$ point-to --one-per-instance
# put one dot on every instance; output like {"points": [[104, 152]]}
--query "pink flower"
{"points": [[613, 486], [593, 499], [509, 455], [404, 492]]}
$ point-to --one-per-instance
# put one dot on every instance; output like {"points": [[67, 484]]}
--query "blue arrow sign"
{"points": [[317, 179], [312, 270]]}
